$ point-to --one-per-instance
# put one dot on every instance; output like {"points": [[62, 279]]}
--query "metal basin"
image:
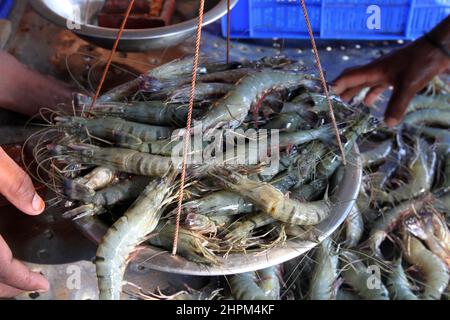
{"points": [[161, 260], [80, 17]]}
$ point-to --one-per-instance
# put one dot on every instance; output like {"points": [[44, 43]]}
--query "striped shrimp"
{"points": [[274, 203], [124, 160], [355, 274], [106, 127], [232, 110], [128, 232], [260, 285], [325, 273], [433, 269], [397, 283], [203, 91], [149, 112]]}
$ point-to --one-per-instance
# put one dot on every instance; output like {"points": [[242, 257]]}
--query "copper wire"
{"points": [[324, 82], [187, 132], [111, 55]]}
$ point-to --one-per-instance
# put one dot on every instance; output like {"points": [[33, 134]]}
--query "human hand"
{"points": [[16, 186], [408, 70]]}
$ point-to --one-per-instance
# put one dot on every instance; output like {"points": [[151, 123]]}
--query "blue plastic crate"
{"points": [[335, 19], [5, 8]]}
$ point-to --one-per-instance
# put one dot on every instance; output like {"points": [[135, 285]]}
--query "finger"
{"points": [[373, 94], [15, 274], [354, 77], [401, 97], [350, 93], [8, 292], [17, 187]]}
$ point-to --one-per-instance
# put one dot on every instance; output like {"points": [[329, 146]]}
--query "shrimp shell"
{"points": [[234, 107], [433, 268], [126, 233], [325, 273]]}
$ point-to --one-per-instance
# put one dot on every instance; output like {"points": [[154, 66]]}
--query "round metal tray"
{"points": [[161, 260], [79, 14]]}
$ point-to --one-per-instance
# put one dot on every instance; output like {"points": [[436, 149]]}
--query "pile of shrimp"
{"points": [[115, 160], [395, 243]]}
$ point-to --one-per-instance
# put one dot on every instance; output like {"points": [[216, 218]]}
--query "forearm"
{"points": [[26, 91], [441, 33]]}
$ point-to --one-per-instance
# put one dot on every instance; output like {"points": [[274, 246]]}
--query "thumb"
{"points": [[17, 187], [401, 97]]}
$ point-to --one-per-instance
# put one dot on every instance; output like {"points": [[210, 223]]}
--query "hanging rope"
{"points": [[324, 82], [187, 132], [228, 30], [111, 55]]}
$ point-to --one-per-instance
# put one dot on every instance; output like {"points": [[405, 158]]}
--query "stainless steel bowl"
{"points": [[160, 260], [80, 17]]}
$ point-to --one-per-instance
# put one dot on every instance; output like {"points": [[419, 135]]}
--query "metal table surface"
{"points": [[52, 245]]}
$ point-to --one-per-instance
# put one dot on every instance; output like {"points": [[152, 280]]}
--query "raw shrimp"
{"points": [[354, 227], [389, 220], [423, 228], [260, 285], [303, 136], [244, 227], [191, 245], [151, 80], [356, 274], [273, 202], [231, 110], [200, 224], [309, 191], [106, 127], [149, 112], [377, 154], [98, 178], [441, 101], [439, 117], [123, 190], [329, 164], [219, 203], [203, 91], [287, 122], [397, 283], [325, 273], [125, 160], [126, 233], [422, 176], [434, 270]]}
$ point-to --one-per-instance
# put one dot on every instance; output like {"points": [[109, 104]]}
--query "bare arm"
{"points": [[25, 91], [408, 70]]}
